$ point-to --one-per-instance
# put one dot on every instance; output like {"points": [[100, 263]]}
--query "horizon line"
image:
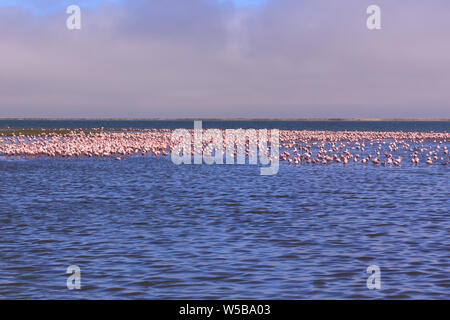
{"points": [[227, 119]]}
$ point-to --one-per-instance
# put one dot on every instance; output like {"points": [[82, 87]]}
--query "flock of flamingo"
{"points": [[378, 148], [296, 147]]}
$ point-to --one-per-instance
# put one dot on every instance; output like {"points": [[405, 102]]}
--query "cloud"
{"points": [[202, 58]]}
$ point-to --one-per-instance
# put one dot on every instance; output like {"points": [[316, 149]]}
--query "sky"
{"points": [[225, 58]]}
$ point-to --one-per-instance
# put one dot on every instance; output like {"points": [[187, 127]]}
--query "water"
{"points": [[145, 228], [425, 126]]}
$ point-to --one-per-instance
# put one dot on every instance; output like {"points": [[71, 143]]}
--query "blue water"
{"points": [[146, 228], [425, 126]]}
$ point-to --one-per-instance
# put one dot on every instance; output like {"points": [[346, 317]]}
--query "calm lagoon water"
{"points": [[146, 228], [427, 126]]}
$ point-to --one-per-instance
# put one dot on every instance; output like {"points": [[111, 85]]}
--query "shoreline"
{"points": [[238, 119]]}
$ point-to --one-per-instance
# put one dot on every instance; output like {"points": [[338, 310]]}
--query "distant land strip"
{"points": [[232, 119]]}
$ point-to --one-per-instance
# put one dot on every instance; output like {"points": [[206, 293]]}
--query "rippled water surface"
{"points": [[146, 228]]}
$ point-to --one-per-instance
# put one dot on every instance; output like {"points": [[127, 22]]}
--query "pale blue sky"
{"points": [[225, 58], [47, 6]]}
